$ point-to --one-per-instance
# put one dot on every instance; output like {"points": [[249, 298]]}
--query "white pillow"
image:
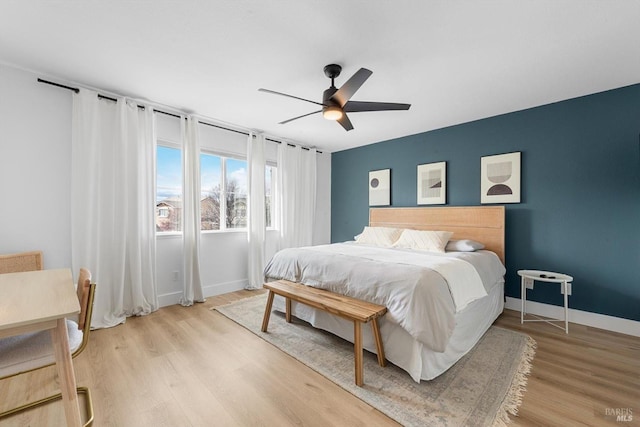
{"points": [[424, 240], [379, 236], [464, 245]]}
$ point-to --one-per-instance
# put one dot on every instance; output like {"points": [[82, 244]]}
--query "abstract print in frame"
{"points": [[380, 187], [432, 184], [500, 178]]}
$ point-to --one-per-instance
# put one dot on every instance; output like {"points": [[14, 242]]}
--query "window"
{"points": [[210, 188], [236, 193], [269, 201], [168, 189], [223, 191]]}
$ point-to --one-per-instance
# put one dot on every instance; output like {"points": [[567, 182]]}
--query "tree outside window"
{"points": [[236, 193]]}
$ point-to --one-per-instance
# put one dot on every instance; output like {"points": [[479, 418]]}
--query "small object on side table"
{"points": [[528, 278]]}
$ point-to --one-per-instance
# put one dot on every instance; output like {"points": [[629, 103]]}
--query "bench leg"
{"points": [[357, 349], [288, 310], [267, 312], [382, 361]]}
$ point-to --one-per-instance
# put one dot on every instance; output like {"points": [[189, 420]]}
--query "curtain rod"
{"points": [[108, 98], [75, 89]]}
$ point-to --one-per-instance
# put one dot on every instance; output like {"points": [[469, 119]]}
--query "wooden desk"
{"points": [[40, 300]]}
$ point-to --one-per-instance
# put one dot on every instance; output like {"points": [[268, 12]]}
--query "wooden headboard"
{"points": [[484, 224]]}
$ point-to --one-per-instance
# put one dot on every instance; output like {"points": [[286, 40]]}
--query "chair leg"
{"points": [[80, 390]]}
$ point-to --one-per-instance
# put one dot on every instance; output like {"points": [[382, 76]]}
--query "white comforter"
{"points": [[421, 290]]}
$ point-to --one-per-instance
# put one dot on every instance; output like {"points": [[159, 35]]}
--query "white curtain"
{"points": [[192, 291], [255, 195], [296, 195], [112, 205]]}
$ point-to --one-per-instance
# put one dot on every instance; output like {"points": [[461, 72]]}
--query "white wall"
{"points": [[35, 167], [35, 182]]}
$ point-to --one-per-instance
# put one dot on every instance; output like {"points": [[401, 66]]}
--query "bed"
{"points": [[439, 304]]}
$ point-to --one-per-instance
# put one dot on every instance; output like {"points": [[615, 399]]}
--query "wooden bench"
{"points": [[346, 307]]}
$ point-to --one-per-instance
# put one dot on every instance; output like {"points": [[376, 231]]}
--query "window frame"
{"points": [[160, 142], [223, 184], [223, 189], [274, 195]]}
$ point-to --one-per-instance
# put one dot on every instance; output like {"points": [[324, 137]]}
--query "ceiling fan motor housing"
{"points": [[326, 96], [331, 109]]}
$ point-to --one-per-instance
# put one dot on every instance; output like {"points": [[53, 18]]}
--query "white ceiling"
{"points": [[454, 61]]}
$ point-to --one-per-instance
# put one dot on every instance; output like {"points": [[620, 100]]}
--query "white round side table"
{"points": [[527, 281]]}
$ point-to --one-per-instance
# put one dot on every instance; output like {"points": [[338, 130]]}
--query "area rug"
{"points": [[483, 389]]}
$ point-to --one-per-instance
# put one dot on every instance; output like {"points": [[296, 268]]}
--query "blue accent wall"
{"points": [[580, 209]]}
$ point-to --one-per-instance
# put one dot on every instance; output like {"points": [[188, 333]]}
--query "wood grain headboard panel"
{"points": [[484, 224]]}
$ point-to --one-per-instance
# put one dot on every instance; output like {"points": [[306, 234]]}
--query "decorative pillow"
{"points": [[464, 245], [379, 236], [424, 240]]}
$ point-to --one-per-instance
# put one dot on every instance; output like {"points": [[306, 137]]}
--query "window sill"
{"points": [[177, 234]]}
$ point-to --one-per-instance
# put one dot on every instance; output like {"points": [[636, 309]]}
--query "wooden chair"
{"points": [[24, 261], [29, 352]]}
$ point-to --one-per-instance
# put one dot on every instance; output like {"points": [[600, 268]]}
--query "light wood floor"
{"points": [[194, 367]]}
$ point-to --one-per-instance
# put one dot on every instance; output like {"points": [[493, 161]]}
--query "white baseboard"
{"points": [[610, 323], [208, 291]]}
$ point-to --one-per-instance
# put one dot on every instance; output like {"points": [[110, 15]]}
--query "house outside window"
{"points": [[168, 188]]}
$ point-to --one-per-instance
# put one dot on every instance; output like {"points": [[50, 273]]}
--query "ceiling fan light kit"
{"points": [[332, 112], [336, 102]]}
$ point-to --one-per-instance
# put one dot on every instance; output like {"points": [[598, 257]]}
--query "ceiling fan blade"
{"points": [[345, 122], [350, 87], [299, 117], [289, 96], [357, 106]]}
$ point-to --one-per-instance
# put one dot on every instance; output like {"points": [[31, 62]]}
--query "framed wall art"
{"points": [[380, 187], [432, 183], [500, 178]]}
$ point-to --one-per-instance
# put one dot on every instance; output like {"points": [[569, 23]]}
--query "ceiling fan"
{"points": [[336, 102]]}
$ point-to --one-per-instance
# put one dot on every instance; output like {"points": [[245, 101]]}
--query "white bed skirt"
{"points": [[402, 349]]}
